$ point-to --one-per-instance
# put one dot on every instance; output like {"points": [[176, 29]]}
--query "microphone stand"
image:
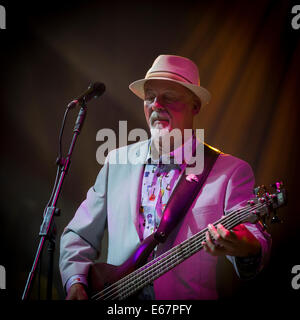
{"points": [[47, 229]]}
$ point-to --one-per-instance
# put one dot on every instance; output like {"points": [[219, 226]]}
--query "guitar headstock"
{"points": [[266, 202]]}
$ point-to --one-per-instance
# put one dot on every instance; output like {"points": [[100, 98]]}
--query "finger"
{"points": [[213, 232], [209, 242], [221, 245], [217, 236], [227, 235], [210, 247], [205, 247]]}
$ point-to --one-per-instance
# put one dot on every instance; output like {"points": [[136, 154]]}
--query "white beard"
{"points": [[161, 139], [158, 133], [156, 137]]}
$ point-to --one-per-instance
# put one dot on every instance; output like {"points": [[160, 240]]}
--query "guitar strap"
{"points": [[183, 196]]}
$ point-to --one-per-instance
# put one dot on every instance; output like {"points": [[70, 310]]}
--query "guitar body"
{"points": [[103, 275]]}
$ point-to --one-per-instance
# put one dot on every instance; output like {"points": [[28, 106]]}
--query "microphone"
{"points": [[95, 90]]}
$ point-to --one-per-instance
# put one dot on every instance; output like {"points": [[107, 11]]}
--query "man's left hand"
{"points": [[238, 242]]}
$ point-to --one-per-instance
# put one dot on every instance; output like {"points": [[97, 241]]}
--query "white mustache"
{"points": [[159, 116]]}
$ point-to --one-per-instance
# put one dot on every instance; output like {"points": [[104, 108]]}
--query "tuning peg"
{"points": [[260, 190], [262, 200], [277, 186], [251, 202]]}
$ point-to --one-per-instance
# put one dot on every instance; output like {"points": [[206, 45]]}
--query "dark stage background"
{"points": [[248, 56]]}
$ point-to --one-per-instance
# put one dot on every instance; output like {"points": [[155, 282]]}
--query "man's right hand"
{"points": [[77, 292]]}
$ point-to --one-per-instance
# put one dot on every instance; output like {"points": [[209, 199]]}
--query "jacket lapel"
{"points": [[136, 175]]}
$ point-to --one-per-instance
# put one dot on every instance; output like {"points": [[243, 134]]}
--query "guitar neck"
{"points": [[146, 274]]}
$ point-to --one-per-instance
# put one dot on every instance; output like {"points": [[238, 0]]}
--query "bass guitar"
{"points": [[109, 282]]}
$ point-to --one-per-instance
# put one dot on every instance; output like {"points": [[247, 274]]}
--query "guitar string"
{"points": [[231, 217], [161, 261], [139, 273], [181, 254]]}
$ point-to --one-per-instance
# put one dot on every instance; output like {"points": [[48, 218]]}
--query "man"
{"points": [[130, 199]]}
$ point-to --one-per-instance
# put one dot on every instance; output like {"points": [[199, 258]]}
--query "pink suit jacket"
{"points": [[114, 200]]}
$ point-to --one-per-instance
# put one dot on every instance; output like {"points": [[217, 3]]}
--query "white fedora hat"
{"points": [[177, 69]]}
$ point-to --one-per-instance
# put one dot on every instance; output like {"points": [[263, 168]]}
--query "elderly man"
{"points": [[130, 199]]}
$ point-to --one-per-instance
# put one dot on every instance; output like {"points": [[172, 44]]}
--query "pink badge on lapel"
{"points": [[191, 177]]}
